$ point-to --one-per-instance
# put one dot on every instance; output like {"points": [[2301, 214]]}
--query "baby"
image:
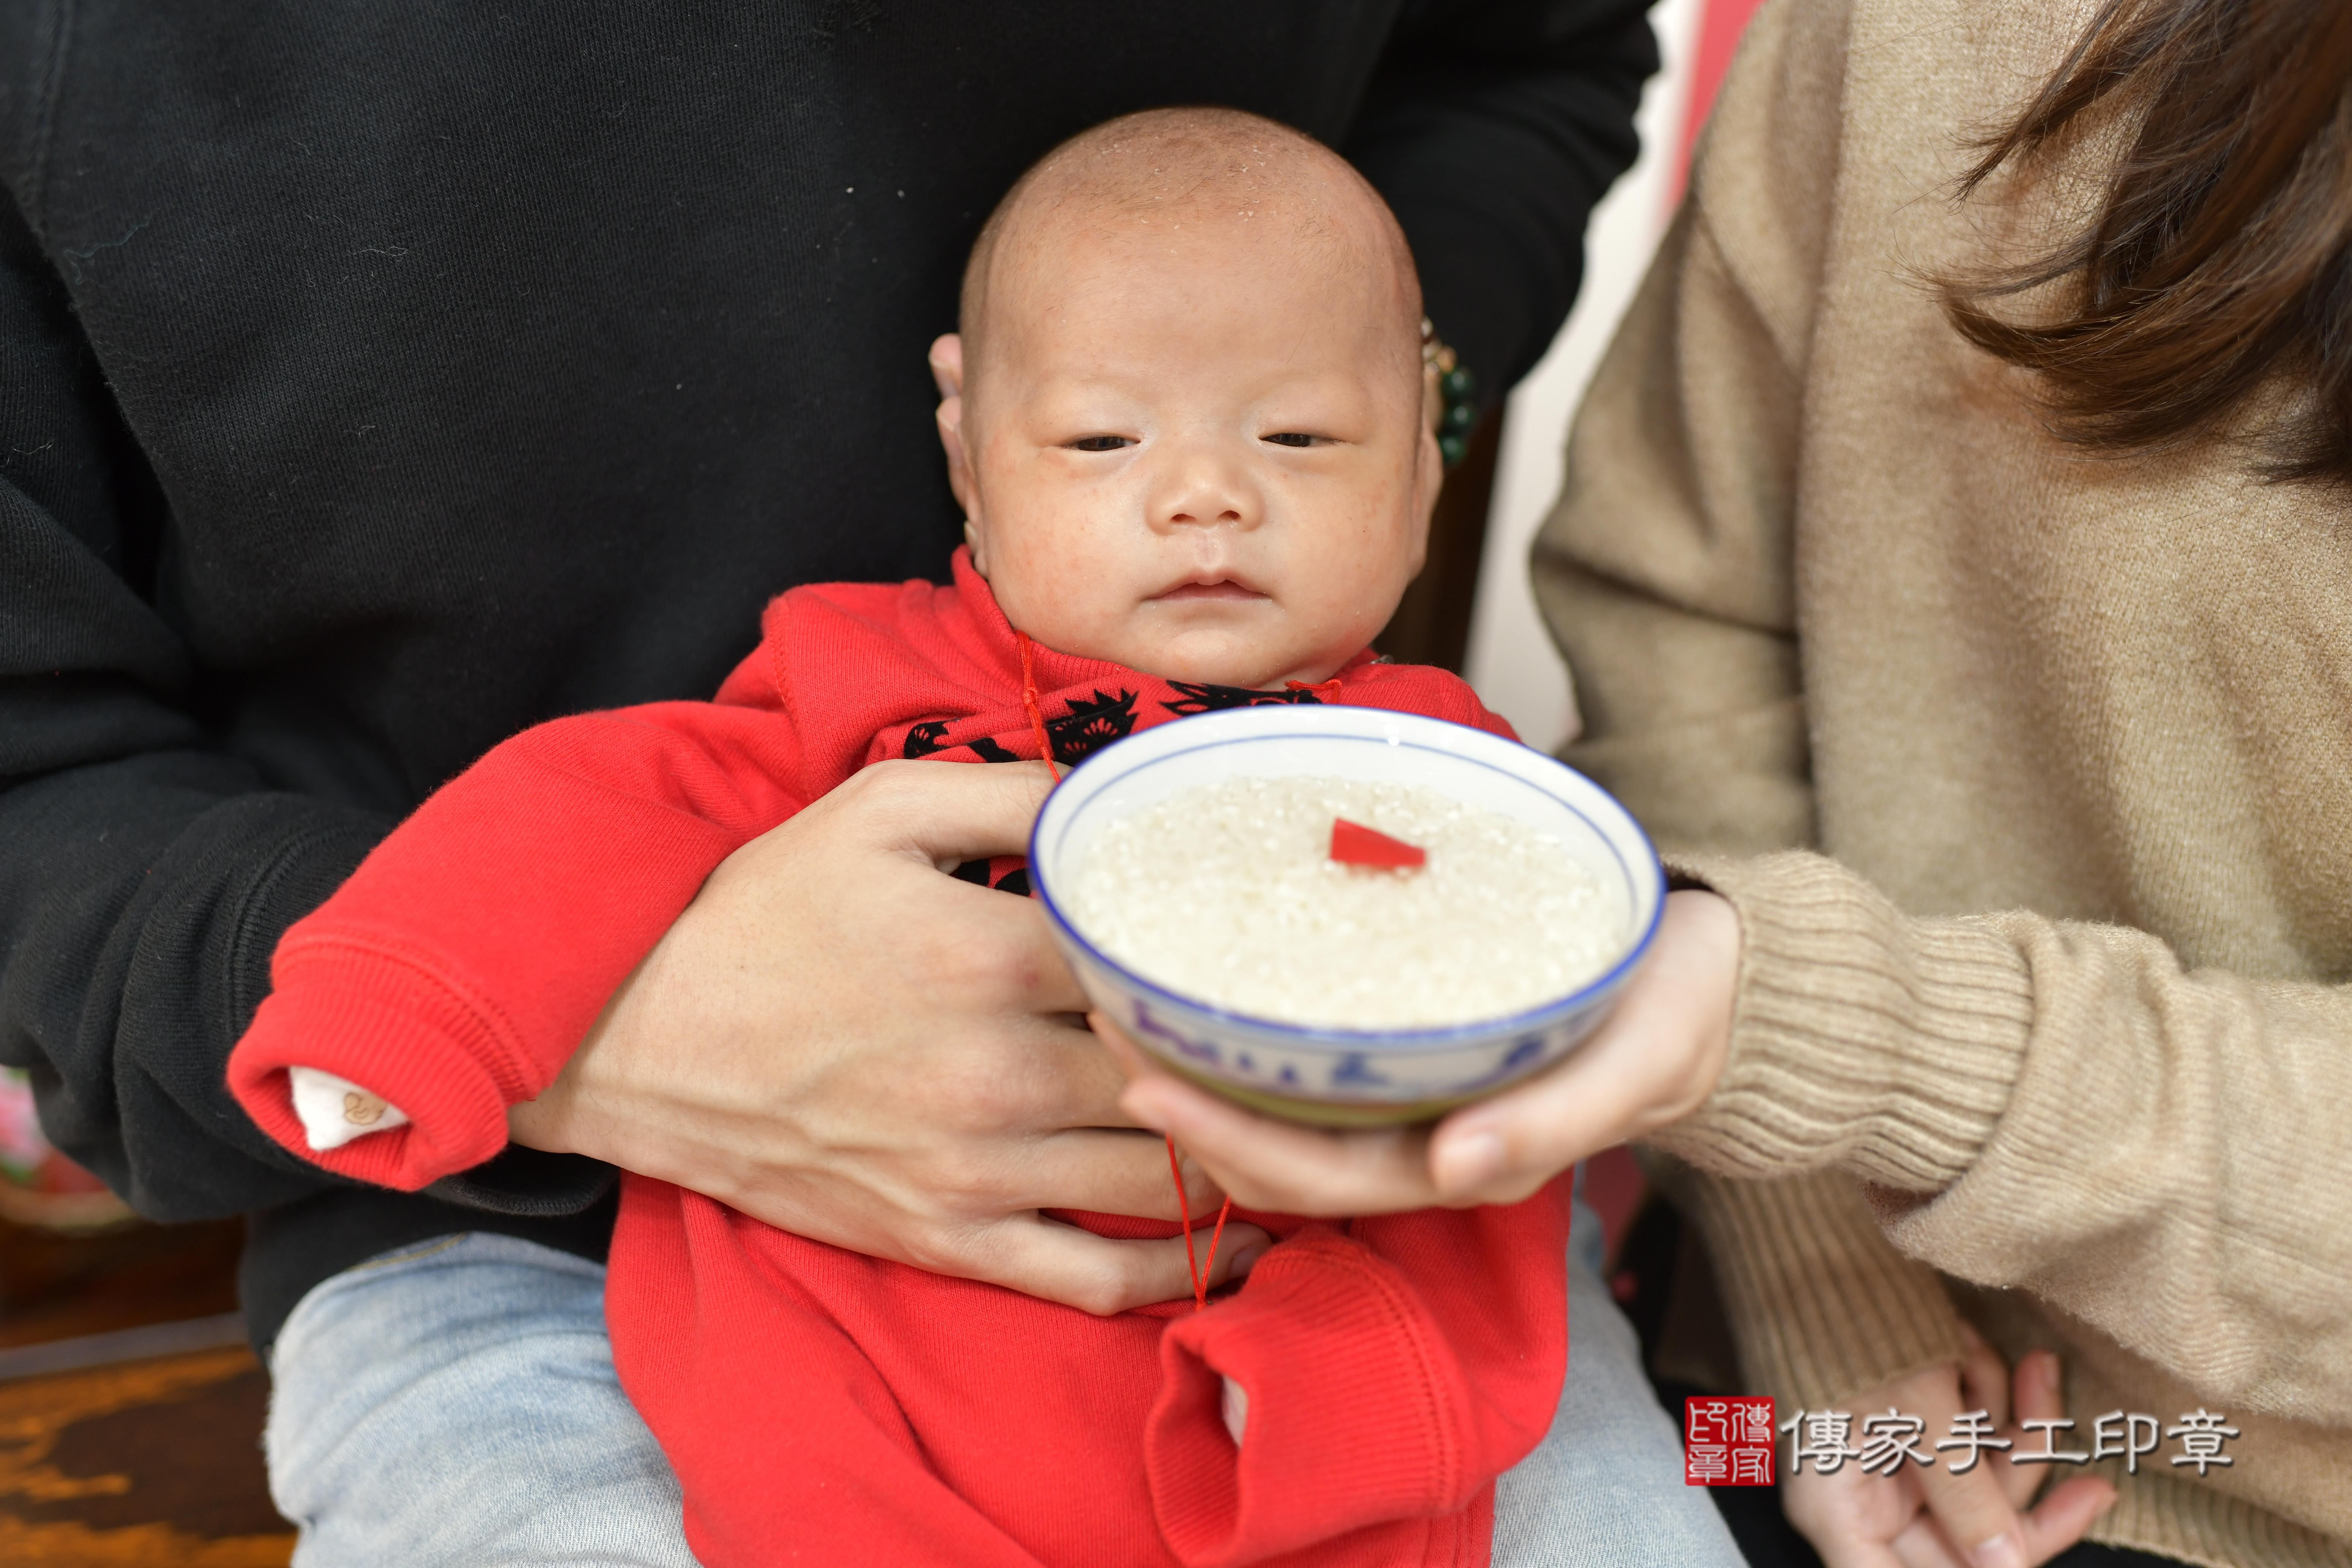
{"points": [[1184, 417]]}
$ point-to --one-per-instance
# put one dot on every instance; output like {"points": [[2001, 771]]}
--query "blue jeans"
{"points": [[453, 1406]]}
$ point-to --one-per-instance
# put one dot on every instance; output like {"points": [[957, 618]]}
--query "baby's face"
{"points": [[1195, 450]]}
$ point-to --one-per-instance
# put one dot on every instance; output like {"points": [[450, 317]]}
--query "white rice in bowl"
{"points": [[1227, 894]]}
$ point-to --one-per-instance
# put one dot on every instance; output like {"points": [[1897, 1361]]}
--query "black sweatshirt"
{"points": [[376, 381]]}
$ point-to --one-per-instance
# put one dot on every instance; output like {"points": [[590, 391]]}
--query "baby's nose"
{"points": [[1205, 490], [1203, 514], [1201, 483]]}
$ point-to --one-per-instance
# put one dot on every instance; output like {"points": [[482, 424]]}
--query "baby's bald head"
{"points": [[1222, 186], [1184, 413]]}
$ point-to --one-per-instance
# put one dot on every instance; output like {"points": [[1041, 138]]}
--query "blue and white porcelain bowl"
{"points": [[1344, 1077]]}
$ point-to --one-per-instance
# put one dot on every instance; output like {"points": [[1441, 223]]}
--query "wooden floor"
{"points": [[111, 1454]]}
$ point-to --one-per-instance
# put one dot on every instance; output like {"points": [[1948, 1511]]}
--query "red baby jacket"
{"points": [[824, 1407]]}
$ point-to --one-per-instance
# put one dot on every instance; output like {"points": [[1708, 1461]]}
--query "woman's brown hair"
{"points": [[2222, 256]]}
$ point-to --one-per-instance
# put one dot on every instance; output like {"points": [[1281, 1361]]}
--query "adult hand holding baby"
{"points": [[839, 1040], [1654, 1060]]}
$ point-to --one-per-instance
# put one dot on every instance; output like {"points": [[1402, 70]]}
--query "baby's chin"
{"points": [[1223, 655]]}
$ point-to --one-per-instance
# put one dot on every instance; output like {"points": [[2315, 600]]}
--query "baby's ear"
{"points": [[1428, 479], [947, 370], [947, 363]]}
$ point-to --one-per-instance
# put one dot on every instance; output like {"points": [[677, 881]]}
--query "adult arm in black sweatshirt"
{"points": [[1492, 129], [144, 875], [203, 728]]}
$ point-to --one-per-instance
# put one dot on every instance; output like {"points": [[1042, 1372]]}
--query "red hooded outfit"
{"points": [[824, 1406]]}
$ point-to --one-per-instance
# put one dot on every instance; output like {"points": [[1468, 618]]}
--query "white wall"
{"points": [[1512, 662]]}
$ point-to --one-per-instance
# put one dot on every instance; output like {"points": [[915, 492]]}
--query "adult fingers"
{"points": [[1921, 1542], [1045, 1073], [1849, 1517], [1283, 1167], [2060, 1518], [1108, 1171], [1500, 1151], [1971, 1517], [2035, 1388], [944, 813], [966, 951], [1061, 1263], [1852, 1552], [1984, 1377], [1922, 1546], [1967, 1517], [1975, 1515], [1042, 978], [1655, 1058]]}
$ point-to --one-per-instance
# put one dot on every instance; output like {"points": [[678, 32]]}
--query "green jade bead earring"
{"points": [[1453, 395]]}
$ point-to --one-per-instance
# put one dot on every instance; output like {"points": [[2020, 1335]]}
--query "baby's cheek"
{"points": [[1387, 557], [1344, 606], [1073, 588]]}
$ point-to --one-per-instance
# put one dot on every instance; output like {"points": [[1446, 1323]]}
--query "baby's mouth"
{"points": [[1223, 588]]}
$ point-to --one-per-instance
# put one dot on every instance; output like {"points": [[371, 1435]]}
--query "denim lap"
{"points": [[1604, 1488], [453, 1406]]}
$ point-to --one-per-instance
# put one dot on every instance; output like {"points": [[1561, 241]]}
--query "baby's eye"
{"points": [[1295, 439], [1101, 443]]}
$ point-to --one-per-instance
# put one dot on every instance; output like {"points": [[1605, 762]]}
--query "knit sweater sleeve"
{"points": [[1393, 1372], [1666, 574], [2054, 1107], [459, 968]]}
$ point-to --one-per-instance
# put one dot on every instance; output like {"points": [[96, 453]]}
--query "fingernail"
{"points": [[1247, 1260], [2001, 1552], [1468, 1162]]}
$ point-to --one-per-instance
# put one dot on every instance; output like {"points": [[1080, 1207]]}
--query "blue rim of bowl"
{"points": [[1396, 1040]]}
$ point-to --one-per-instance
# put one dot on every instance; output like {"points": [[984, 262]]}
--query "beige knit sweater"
{"points": [[2052, 1032]]}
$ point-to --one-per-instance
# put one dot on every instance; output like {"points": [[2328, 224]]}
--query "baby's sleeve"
{"points": [[1390, 1371], [455, 972]]}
